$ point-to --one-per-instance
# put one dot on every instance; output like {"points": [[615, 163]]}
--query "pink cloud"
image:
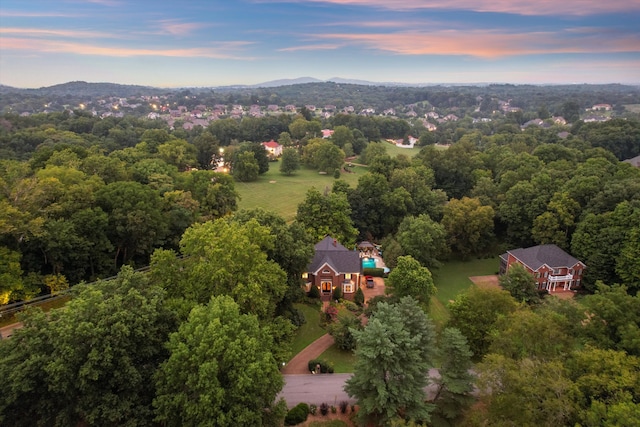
{"points": [[176, 28], [326, 46], [225, 50], [486, 44], [59, 33], [518, 7]]}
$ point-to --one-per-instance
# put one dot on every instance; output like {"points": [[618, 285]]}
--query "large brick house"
{"points": [[550, 266], [333, 266]]}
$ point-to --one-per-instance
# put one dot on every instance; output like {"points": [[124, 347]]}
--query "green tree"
{"points": [[10, 274], [456, 382], [230, 258], [220, 370], [136, 223], [245, 167], [394, 354], [423, 239], [628, 263], [556, 224], [526, 392], [91, 363], [475, 313], [342, 136], [608, 384], [531, 334], [215, 193], [409, 278], [342, 330], [613, 319], [292, 250], [520, 284], [328, 214], [290, 161], [469, 225]]}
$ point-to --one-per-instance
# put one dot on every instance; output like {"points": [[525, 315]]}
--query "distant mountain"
{"points": [[288, 82], [80, 88]]}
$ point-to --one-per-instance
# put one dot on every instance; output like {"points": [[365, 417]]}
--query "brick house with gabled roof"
{"points": [[333, 266], [550, 266]]}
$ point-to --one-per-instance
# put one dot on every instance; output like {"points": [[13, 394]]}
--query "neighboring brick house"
{"points": [[550, 266], [333, 265]]}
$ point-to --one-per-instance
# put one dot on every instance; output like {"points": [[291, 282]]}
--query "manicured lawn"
{"points": [[343, 361], [394, 150], [310, 331], [438, 312], [282, 194], [453, 277]]}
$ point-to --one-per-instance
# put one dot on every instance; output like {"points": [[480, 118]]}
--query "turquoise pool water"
{"points": [[368, 263]]}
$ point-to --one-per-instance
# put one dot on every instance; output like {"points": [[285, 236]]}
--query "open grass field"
{"points": [[453, 278], [282, 194], [310, 331], [394, 150]]}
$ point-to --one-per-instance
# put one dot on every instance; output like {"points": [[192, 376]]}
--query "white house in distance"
{"points": [[273, 148]]}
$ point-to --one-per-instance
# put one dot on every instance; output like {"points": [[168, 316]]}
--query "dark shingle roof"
{"points": [[536, 256], [340, 259]]}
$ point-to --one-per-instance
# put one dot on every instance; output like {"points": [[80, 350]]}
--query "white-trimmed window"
{"points": [[348, 288], [326, 271], [347, 276]]}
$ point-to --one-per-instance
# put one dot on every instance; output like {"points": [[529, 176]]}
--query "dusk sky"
{"points": [[213, 43]]}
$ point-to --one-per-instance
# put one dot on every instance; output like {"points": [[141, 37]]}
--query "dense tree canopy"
{"points": [[220, 370]]}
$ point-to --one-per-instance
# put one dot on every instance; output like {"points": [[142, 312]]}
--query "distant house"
{"points": [[327, 133], [273, 148], [550, 266], [601, 107], [333, 266]]}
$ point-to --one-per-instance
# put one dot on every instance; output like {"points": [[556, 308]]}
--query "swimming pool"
{"points": [[368, 263]]}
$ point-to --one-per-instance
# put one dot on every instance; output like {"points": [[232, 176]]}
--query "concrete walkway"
{"points": [[299, 365]]}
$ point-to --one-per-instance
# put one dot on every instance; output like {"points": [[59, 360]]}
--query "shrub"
{"points": [[336, 174], [353, 408], [330, 314], [337, 293], [343, 406], [298, 414], [358, 298], [313, 409], [341, 331], [297, 317], [324, 408], [325, 367], [334, 410], [351, 306], [314, 292]]}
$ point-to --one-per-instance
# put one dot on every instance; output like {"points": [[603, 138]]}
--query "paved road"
{"points": [[326, 388]]}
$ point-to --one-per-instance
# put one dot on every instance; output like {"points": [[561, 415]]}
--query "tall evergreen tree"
{"points": [[395, 352]]}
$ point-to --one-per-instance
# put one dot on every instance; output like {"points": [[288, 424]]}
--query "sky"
{"points": [[202, 43]]}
